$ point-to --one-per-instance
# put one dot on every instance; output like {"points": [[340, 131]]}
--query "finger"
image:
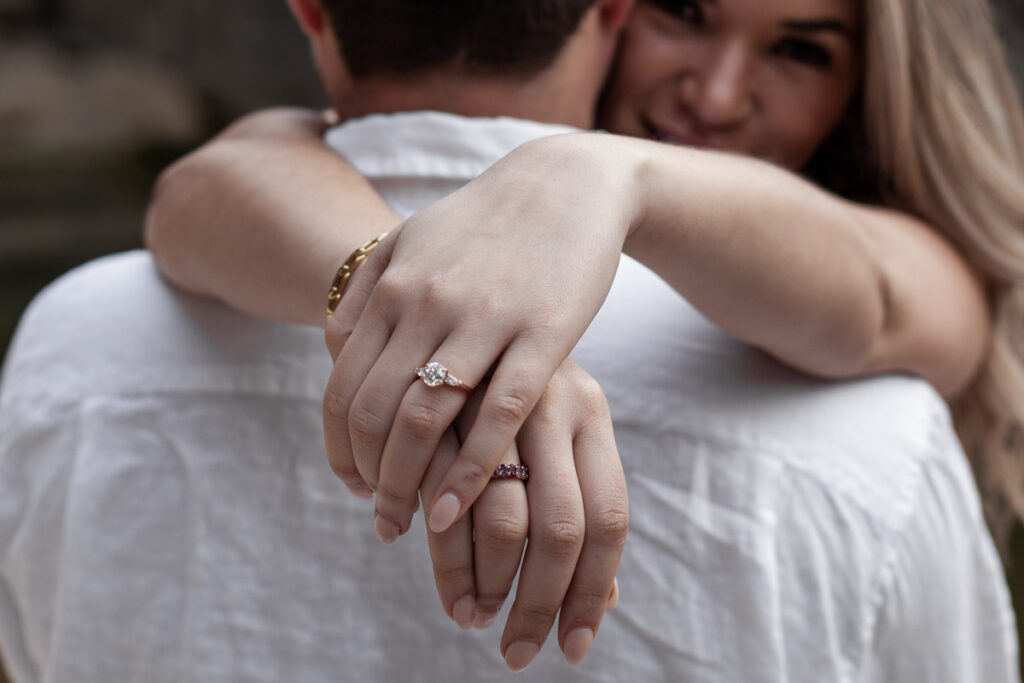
{"points": [[424, 414], [556, 538], [518, 382], [342, 324], [500, 524], [347, 375], [381, 412], [451, 552], [606, 509], [342, 384]]}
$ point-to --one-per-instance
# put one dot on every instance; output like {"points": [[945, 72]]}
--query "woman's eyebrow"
{"points": [[819, 25]]}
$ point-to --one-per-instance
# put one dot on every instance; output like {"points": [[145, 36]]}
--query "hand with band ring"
{"points": [[576, 521], [576, 524], [449, 287]]}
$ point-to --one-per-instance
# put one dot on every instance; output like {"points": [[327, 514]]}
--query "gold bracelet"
{"points": [[345, 272]]}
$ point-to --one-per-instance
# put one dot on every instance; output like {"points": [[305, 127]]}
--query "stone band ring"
{"points": [[520, 472], [434, 374]]}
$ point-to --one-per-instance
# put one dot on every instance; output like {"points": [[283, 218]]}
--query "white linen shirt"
{"points": [[167, 513]]}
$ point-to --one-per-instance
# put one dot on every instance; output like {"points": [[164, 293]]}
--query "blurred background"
{"points": [[97, 97]]}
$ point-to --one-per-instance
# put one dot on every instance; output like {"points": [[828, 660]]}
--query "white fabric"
{"points": [[166, 512]]}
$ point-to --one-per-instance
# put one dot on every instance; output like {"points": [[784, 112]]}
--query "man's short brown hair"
{"points": [[406, 37]]}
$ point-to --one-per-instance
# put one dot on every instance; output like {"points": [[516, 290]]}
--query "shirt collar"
{"points": [[432, 144]]}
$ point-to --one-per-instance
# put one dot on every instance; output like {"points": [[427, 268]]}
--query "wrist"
{"points": [[604, 171]]}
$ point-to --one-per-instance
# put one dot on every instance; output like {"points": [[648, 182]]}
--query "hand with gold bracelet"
{"points": [[577, 516], [284, 228]]}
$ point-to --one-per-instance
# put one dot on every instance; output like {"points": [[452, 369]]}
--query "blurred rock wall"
{"points": [[242, 54], [97, 96]]}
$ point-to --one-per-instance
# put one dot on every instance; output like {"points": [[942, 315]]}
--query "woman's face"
{"points": [[764, 78]]}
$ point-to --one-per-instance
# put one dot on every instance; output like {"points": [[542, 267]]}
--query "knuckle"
{"points": [[562, 538], [473, 476], [336, 336], [590, 397], [434, 294], [511, 407], [502, 531], [610, 527], [452, 574], [335, 404], [391, 497], [345, 472], [391, 289], [364, 424], [591, 392], [538, 614], [421, 421]]}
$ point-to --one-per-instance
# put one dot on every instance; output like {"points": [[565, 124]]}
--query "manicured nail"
{"points": [[463, 611], [519, 655], [484, 619], [387, 531], [446, 509], [577, 645]]}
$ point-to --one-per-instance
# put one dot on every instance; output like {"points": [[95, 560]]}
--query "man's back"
{"points": [[169, 513]]}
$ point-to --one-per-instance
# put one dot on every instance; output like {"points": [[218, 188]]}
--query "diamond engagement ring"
{"points": [[434, 375]]}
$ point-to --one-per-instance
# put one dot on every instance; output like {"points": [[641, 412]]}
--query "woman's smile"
{"points": [[764, 78]]}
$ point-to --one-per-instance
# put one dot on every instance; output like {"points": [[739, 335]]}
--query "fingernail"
{"points": [[463, 611], [484, 619], [446, 509], [577, 645], [387, 531], [519, 655]]}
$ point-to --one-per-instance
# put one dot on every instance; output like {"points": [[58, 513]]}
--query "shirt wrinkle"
{"points": [[767, 509]]}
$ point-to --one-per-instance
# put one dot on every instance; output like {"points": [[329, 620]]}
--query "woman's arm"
{"points": [[828, 286], [506, 273], [263, 216], [515, 265]]}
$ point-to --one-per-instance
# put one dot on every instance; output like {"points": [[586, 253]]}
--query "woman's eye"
{"points": [[805, 52], [685, 10]]}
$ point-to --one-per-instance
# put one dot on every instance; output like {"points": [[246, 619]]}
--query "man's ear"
{"points": [[310, 16], [615, 13]]}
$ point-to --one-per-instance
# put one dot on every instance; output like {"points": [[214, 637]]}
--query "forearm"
{"points": [[766, 256], [261, 218], [829, 287]]}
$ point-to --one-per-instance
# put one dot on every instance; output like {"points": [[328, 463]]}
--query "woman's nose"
{"points": [[719, 92]]}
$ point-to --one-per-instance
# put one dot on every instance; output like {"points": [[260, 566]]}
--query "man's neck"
{"points": [[534, 99]]}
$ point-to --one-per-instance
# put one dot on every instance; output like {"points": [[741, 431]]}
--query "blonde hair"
{"points": [[944, 137]]}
